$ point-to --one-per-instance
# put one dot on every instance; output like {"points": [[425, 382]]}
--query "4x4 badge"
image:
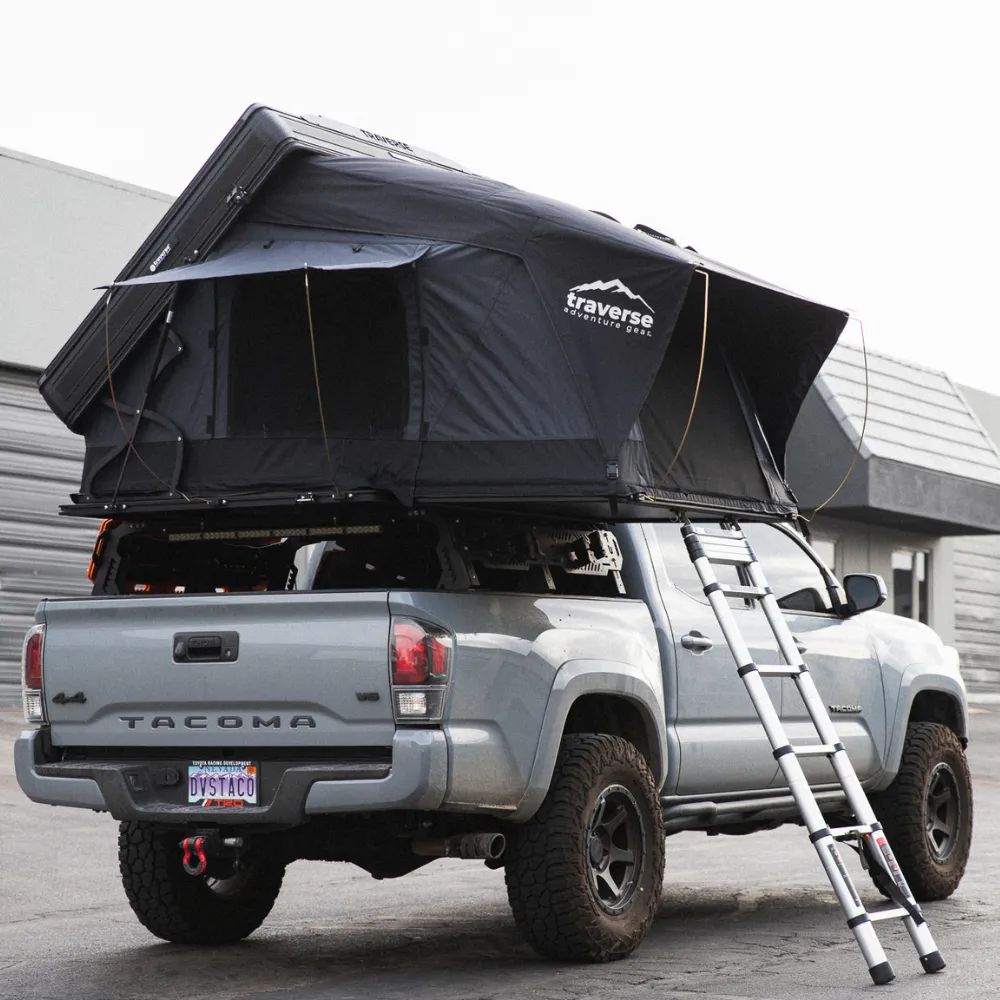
{"points": [[74, 699]]}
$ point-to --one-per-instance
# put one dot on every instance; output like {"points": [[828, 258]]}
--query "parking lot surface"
{"points": [[741, 917]]}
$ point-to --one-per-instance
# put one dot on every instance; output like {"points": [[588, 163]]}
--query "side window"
{"points": [[797, 582], [681, 571]]}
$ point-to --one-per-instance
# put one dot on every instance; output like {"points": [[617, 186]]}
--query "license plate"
{"points": [[222, 784]]}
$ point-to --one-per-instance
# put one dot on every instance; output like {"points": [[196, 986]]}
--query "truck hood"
{"points": [[902, 641]]}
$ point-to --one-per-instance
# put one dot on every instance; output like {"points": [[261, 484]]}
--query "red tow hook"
{"points": [[197, 845]]}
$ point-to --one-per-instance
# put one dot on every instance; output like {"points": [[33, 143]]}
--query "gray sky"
{"points": [[847, 151]]}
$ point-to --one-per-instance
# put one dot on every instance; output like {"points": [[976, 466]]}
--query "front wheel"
{"points": [[584, 875], [927, 811], [192, 909]]}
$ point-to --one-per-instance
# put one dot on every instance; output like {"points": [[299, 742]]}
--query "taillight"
{"points": [[31, 674], [420, 668], [103, 531], [409, 653]]}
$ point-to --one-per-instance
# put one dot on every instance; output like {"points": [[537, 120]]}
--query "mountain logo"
{"points": [[599, 310], [614, 285]]}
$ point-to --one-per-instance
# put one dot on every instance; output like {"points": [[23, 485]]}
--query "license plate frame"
{"points": [[223, 784]]}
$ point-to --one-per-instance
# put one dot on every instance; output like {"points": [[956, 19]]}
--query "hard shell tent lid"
{"points": [[372, 326]]}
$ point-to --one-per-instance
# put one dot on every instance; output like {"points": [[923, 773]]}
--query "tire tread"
{"points": [[900, 809], [546, 866]]}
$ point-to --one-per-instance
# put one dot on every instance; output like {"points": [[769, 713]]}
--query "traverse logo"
{"points": [[631, 312]]}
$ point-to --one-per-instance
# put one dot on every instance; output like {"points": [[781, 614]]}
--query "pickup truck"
{"points": [[392, 688]]}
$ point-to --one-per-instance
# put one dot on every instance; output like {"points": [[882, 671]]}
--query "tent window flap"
{"points": [[360, 332]]}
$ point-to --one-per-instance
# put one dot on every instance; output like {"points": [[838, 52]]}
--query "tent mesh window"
{"points": [[359, 323]]}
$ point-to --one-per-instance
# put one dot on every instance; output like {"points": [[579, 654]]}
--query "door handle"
{"points": [[204, 647], [799, 644], [696, 642]]}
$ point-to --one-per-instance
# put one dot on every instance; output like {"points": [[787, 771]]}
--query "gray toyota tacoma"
{"points": [[388, 689]]}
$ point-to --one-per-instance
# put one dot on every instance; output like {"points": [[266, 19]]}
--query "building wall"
{"points": [[977, 612], [64, 233], [864, 548], [977, 582], [41, 553]]}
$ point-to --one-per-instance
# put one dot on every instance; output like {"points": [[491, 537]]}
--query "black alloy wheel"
{"points": [[616, 849], [942, 812]]}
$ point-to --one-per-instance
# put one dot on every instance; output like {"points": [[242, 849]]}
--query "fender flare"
{"points": [[920, 678], [574, 679]]}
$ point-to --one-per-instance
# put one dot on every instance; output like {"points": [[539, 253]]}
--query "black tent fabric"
{"points": [[372, 325]]}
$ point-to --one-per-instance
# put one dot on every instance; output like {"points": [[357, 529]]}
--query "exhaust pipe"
{"points": [[484, 846]]}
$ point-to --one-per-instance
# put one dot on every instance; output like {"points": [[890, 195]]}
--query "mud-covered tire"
{"points": [[927, 811], [563, 900], [191, 909]]}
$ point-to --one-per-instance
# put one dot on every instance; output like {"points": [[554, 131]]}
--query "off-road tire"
{"points": [[932, 757], [548, 862], [190, 909]]}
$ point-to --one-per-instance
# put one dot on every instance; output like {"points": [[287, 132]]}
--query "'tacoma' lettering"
{"points": [[221, 722]]}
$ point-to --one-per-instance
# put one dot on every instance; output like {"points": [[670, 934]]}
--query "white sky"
{"points": [[847, 151]]}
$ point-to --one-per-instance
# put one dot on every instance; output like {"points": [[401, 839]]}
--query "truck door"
{"points": [[838, 652], [723, 747]]}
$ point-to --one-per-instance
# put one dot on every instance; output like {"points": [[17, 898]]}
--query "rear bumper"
{"points": [[54, 790], [134, 790]]}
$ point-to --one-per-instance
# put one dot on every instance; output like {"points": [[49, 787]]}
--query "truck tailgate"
{"points": [[269, 669]]}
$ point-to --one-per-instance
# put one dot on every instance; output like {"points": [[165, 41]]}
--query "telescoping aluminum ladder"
{"points": [[730, 547]]}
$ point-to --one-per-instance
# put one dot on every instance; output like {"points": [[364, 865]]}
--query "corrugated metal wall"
{"points": [[977, 611], [41, 553]]}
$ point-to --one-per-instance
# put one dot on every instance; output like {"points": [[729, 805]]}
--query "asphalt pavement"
{"points": [[741, 917]]}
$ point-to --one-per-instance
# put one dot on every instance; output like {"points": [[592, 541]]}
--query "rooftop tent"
{"points": [[374, 326]]}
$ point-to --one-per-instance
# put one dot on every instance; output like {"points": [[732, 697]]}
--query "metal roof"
{"points": [[916, 415]]}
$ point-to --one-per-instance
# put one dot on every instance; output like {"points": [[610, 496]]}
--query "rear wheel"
{"points": [[927, 811], [584, 875], [190, 909]]}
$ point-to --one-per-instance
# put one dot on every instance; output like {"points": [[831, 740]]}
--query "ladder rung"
{"points": [[896, 911], [779, 669], [720, 542], [730, 554], [723, 541], [817, 750], [729, 559], [753, 592], [703, 532], [849, 831]]}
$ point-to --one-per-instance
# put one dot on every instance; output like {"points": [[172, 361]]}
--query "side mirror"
{"points": [[864, 592]]}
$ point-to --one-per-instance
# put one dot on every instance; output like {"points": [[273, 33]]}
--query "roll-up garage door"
{"points": [[42, 554]]}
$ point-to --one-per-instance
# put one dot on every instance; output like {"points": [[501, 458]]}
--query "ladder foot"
{"points": [[882, 973], [932, 962]]}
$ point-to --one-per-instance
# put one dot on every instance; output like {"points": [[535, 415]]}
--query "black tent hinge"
{"points": [[656, 234], [611, 470], [238, 195]]}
